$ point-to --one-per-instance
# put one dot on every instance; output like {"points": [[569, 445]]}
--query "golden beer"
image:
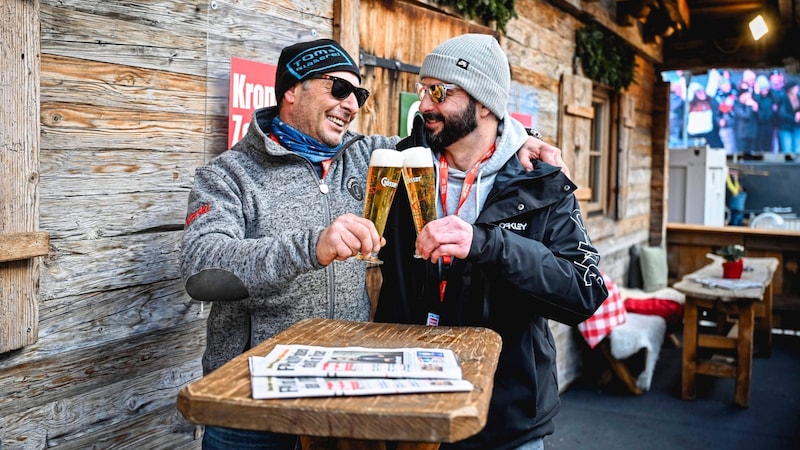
{"points": [[385, 169], [420, 181]]}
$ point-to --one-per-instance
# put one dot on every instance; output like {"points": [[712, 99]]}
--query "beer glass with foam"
{"points": [[420, 181], [385, 169]]}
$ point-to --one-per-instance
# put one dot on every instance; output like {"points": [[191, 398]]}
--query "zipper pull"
{"points": [[326, 165]]}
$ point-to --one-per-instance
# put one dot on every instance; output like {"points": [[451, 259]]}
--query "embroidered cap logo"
{"points": [[324, 58]]}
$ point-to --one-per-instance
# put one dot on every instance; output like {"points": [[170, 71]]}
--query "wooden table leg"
{"points": [[688, 385], [764, 326], [744, 353]]}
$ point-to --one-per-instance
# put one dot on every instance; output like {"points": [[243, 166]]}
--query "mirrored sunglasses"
{"points": [[342, 89], [437, 92]]}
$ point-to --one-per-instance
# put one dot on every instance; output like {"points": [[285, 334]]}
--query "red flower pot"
{"points": [[732, 269]]}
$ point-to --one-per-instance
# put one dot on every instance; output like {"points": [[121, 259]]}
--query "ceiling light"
{"points": [[758, 27]]}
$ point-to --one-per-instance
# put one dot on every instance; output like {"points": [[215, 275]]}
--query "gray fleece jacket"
{"points": [[257, 211]]}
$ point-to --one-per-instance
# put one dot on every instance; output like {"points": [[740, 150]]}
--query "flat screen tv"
{"points": [[748, 112]]}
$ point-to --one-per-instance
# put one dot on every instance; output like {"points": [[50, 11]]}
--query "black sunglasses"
{"points": [[342, 89]]}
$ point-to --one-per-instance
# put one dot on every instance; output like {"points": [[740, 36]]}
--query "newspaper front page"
{"points": [[291, 371], [311, 361], [283, 387]]}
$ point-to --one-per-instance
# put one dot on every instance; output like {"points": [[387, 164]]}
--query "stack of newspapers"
{"points": [[309, 371]]}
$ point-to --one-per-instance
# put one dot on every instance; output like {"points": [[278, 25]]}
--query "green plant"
{"points": [[488, 11], [731, 252], [605, 57]]}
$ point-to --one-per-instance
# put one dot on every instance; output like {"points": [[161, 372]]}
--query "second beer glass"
{"points": [[420, 181], [385, 168]]}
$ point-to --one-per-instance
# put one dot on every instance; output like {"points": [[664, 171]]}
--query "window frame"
{"points": [[602, 174]]}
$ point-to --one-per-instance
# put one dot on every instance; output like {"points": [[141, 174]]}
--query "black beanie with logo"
{"points": [[303, 60]]}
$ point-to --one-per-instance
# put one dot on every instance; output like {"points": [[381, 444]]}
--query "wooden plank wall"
{"points": [[408, 33], [133, 98]]}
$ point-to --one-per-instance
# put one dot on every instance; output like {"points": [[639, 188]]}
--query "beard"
{"points": [[454, 128]]}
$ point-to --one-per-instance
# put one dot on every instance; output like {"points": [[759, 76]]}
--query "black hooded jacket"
{"points": [[531, 260]]}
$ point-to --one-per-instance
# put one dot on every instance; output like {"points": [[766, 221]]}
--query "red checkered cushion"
{"points": [[609, 315]]}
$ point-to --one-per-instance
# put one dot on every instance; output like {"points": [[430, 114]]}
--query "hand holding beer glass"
{"points": [[420, 181], [385, 169]]}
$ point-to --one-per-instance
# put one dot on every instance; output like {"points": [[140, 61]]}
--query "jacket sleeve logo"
{"points": [[204, 208]]}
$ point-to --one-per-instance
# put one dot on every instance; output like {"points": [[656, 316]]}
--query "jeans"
{"points": [[728, 140], [790, 140], [537, 444], [218, 438]]}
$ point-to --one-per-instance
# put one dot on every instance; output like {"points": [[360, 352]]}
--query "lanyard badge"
{"points": [[469, 181]]}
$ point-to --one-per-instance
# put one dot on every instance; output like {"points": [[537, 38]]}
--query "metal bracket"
{"points": [[375, 61]]}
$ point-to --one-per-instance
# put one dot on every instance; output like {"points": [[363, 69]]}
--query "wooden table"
{"points": [[421, 421], [735, 337]]}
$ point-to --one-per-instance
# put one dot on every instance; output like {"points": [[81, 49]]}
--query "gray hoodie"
{"points": [[257, 211], [511, 136]]}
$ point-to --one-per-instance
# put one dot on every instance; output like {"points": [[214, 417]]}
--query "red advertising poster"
{"points": [[252, 86], [525, 119]]}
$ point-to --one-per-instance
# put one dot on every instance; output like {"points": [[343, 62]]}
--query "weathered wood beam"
{"points": [[631, 11], [678, 11], [16, 246], [20, 65]]}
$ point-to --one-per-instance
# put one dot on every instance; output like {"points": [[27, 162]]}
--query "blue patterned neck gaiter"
{"points": [[301, 143]]}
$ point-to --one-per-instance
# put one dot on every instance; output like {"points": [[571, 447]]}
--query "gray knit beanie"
{"points": [[476, 63]]}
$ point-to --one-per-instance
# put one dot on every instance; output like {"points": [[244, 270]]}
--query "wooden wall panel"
{"points": [[627, 122], [539, 58], [164, 35], [407, 33], [111, 390], [575, 124], [19, 160], [659, 187]]}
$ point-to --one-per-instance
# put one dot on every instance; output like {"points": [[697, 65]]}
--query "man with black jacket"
{"points": [[509, 251]]}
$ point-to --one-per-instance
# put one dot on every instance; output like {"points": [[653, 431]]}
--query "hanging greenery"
{"points": [[605, 57], [488, 11]]}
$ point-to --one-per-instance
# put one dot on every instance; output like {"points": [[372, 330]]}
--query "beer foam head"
{"points": [[417, 157], [386, 157]]}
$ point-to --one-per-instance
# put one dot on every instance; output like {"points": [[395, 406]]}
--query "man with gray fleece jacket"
{"points": [[267, 219], [272, 223]]}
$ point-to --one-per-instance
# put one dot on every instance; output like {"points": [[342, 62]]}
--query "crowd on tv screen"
{"points": [[746, 112]]}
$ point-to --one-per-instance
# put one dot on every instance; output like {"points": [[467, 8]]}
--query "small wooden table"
{"points": [[737, 339], [420, 421]]}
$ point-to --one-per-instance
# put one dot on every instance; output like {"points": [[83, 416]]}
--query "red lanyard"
{"points": [[326, 165], [469, 180]]}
